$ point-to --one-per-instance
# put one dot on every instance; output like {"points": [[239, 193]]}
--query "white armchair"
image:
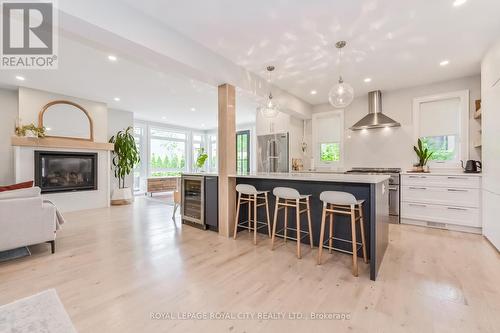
{"points": [[25, 219]]}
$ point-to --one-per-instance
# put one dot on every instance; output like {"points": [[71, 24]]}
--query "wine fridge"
{"points": [[193, 200]]}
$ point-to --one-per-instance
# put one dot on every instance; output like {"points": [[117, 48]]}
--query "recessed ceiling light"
{"points": [[163, 117], [112, 58], [20, 78], [202, 125], [313, 92], [444, 63], [458, 3], [368, 80], [193, 109], [117, 99]]}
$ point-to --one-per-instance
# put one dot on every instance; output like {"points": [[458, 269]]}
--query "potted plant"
{"points": [[423, 155], [125, 158], [202, 158], [30, 131]]}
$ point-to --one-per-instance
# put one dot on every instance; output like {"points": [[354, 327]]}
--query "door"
{"points": [[243, 151]]}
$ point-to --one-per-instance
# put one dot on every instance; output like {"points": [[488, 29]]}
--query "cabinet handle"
{"points": [[456, 208], [417, 205], [418, 188], [418, 177], [451, 177], [456, 190]]}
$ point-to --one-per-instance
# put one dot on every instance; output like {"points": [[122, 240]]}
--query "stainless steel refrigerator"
{"points": [[272, 153]]}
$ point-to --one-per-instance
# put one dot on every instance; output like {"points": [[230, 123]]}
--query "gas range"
{"points": [[393, 172], [394, 187]]}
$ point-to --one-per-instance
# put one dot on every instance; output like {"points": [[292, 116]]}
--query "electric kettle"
{"points": [[472, 166]]}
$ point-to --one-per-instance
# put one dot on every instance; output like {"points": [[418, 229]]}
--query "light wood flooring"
{"points": [[114, 267]]}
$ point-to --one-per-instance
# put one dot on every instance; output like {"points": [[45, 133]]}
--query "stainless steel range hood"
{"points": [[375, 118]]}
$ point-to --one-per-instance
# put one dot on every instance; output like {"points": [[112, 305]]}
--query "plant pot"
{"points": [[122, 196], [418, 168]]}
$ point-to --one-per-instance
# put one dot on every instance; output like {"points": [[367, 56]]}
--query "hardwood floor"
{"points": [[114, 267]]}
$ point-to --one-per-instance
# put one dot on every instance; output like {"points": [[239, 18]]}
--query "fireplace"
{"points": [[65, 171]]}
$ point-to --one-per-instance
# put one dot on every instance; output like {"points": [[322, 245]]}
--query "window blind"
{"points": [[439, 118]]}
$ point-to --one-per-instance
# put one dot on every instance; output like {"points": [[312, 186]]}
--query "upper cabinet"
{"points": [[279, 124]]}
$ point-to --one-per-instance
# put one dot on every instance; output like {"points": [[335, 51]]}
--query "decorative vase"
{"points": [[122, 196]]}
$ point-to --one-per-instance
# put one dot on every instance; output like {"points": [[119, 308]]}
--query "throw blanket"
{"points": [[59, 218]]}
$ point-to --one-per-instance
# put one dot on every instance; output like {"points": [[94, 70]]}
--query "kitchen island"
{"points": [[374, 189]]}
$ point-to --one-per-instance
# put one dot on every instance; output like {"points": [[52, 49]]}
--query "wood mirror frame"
{"points": [[48, 105]]}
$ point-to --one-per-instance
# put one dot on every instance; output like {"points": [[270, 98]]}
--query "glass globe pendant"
{"points": [[341, 94], [271, 108]]}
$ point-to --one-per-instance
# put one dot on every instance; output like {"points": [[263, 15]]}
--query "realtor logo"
{"points": [[29, 39]]}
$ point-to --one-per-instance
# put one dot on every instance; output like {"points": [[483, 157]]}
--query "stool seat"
{"points": [[248, 189], [288, 193], [339, 198]]}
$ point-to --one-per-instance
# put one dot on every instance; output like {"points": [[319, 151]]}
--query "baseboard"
{"points": [[444, 226]]}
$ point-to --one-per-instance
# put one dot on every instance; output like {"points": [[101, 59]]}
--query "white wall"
{"points": [[119, 120], [8, 113], [392, 147], [32, 101]]}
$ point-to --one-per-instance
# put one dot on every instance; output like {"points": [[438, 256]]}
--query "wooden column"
{"points": [[226, 155]]}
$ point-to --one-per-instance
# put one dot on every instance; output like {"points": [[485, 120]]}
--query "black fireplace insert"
{"points": [[65, 171]]}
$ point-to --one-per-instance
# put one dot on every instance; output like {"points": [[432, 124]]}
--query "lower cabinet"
{"points": [[212, 202], [444, 201]]}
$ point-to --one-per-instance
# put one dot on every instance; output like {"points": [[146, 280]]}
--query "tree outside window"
{"points": [[443, 147], [330, 152]]}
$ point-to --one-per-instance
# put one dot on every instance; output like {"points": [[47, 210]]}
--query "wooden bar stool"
{"points": [[343, 203], [248, 194], [292, 198]]}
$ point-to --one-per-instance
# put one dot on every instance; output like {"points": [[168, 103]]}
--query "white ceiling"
{"points": [[85, 72], [397, 43]]}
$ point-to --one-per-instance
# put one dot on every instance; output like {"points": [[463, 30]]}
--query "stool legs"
{"points": [[267, 216], [362, 226], [297, 215], [330, 240], [322, 234], [308, 205], [275, 222], [255, 219], [237, 216], [354, 243], [286, 221]]}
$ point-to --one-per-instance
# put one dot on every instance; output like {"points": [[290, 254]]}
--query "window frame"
{"points": [[248, 150], [463, 135], [316, 143], [186, 141]]}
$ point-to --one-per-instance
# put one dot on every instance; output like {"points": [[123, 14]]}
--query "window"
{"points": [[140, 170], [168, 152], [243, 151], [328, 136], [212, 152], [441, 122], [330, 152], [197, 143]]}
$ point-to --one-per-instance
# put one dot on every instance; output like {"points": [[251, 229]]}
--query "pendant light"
{"points": [[341, 94], [271, 108]]}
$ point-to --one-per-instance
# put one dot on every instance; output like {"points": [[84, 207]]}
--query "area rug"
{"points": [[14, 254], [41, 313]]}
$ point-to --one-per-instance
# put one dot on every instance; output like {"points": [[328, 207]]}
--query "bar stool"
{"points": [[292, 198], [344, 203], [248, 194]]}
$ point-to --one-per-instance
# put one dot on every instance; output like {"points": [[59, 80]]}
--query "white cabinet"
{"points": [[279, 124], [449, 201]]}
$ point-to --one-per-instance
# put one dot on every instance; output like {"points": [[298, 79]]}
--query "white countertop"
{"points": [[211, 174], [317, 177], [442, 173]]}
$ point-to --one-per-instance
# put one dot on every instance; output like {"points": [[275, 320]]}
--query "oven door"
{"points": [[394, 200]]}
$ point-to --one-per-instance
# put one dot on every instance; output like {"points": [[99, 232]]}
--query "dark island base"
{"points": [[375, 210]]}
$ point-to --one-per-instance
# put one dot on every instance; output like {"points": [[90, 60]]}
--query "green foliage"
{"points": [[37, 131], [330, 152], [439, 146], [423, 153], [125, 154], [202, 158]]}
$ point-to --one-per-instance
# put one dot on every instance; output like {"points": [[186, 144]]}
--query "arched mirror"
{"points": [[65, 119]]}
